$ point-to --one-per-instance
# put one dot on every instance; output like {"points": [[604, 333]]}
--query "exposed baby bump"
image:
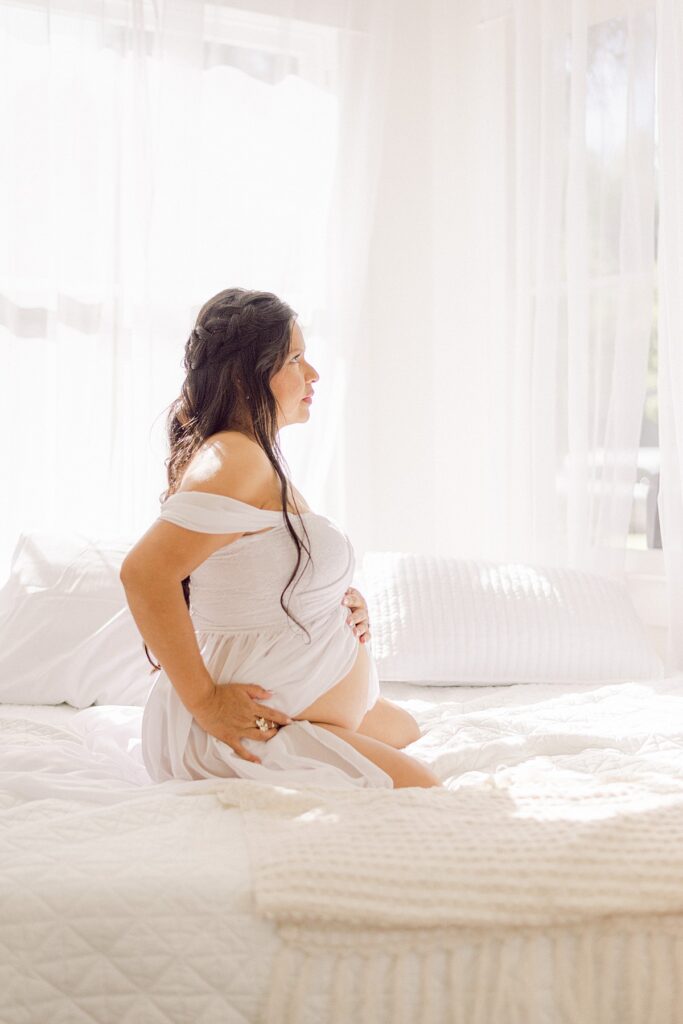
{"points": [[345, 703]]}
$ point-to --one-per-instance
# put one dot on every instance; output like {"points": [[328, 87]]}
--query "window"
{"points": [[644, 531], [150, 169]]}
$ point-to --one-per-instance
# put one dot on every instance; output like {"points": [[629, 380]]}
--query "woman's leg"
{"points": [[390, 724], [403, 769]]}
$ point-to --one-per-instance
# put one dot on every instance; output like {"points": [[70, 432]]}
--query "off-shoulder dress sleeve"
{"points": [[216, 513]]}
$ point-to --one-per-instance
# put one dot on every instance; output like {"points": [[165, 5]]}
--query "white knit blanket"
{"points": [[487, 854], [572, 816]]}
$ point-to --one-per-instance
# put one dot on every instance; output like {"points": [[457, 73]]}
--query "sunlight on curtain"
{"points": [[670, 370], [544, 277], [471, 252], [160, 153]]}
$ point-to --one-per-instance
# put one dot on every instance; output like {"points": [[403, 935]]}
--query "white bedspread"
{"points": [[125, 901]]}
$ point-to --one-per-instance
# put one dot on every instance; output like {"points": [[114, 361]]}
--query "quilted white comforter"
{"points": [[126, 902]]}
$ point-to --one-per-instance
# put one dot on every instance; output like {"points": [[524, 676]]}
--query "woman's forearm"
{"points": [[163, 619]]}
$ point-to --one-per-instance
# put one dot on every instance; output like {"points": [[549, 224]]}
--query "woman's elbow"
{"points": [[129, 571]]}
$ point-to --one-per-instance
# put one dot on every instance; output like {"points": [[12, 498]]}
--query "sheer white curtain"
{"points": [[511, 287], [458, 199], [670, 265], [153, 154]]}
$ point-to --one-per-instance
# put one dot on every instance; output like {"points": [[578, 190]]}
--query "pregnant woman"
{"points": [[242, 592]]}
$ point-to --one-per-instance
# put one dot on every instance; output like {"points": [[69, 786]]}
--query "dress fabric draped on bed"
{"points": [[245, 636]]}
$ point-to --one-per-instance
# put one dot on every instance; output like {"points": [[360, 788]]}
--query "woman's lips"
{"points": [[309, 399]]}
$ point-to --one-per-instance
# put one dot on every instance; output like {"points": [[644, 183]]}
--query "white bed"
{"points": [[130, 903]]}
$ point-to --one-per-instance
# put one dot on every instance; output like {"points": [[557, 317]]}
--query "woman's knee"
{"points": [[390, 724]]}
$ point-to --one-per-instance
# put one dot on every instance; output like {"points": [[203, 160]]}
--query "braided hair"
{"points": [[240, 340]]}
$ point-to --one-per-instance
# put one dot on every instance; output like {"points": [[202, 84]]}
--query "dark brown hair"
{"points": [[240, 340]]}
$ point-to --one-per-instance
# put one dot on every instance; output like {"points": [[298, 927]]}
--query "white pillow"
{"points": [[444, 621], [66, 633]]}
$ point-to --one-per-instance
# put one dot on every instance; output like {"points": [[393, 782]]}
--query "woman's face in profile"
{"points": [[294, 382]]}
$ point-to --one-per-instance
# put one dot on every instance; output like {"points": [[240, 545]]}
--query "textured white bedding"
{"points": [[120, 902], [129, 902]]}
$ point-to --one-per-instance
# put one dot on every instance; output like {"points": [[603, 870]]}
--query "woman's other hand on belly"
{"points": [[357, 617]]}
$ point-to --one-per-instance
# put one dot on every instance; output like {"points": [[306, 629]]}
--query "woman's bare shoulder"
{"points": [[231, 464]]}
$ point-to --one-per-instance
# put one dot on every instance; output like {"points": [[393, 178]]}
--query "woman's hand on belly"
{"points": [[357, 619], [345, 703]]}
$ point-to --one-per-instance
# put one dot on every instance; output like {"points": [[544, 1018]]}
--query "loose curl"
{"points": [[240, 340]]}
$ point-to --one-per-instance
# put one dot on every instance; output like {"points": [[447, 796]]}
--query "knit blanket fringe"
{"points": [[389, 902], [622, 971]]}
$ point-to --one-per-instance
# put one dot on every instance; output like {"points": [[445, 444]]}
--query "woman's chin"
{"points": [[300, 415]]}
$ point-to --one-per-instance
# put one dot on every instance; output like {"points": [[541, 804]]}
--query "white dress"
{"points": [[245, 636]]}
